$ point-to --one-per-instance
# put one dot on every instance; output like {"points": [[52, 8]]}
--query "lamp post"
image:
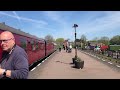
{"points": [[75, 26]]}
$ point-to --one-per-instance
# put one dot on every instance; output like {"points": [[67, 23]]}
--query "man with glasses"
{"points": [[14, 62]]}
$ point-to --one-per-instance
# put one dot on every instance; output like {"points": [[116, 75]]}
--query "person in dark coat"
{"points": [[63, 47], [59, 48]]}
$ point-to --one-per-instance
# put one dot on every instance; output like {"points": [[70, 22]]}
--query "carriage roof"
{"points": [[17, 31]]}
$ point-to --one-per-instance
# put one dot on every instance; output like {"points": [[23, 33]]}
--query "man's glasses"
{"points": [[6, 40]]}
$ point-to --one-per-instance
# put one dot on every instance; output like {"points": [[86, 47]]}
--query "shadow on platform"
{"points": [[62, 62]]}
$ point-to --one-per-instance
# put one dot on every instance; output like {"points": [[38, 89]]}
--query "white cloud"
{"points": [[108, 22], [23, 18]]}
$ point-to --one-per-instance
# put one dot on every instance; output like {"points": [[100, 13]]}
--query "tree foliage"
{"points": [[59, 41], [104, 40], [83, 38], [115, 40], [49, 38]]}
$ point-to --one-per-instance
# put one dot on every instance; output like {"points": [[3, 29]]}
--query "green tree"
{"points": [[83, 38], [115, 40], [104, 40], [95, 39], [59, 41], [83, 41]]}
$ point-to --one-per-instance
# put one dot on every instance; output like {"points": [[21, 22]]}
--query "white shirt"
{"points": [[71, 46]]}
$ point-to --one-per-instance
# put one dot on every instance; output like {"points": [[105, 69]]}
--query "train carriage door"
{"points": [[29, 46]]}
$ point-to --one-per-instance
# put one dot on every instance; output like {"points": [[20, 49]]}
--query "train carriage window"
{"points": [[33, 45], [41, 46], [37, 43], [23, 42]]}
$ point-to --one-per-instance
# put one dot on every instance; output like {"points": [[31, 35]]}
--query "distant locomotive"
{"points": [[35, 47]]}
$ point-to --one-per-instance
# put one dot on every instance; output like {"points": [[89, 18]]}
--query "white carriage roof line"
{"points": [[3, 26]]}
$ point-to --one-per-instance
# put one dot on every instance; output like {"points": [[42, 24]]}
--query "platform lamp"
{"points": [[75, 26]]}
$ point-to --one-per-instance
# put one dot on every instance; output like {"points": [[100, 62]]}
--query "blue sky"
{"points": [[59, 23]]}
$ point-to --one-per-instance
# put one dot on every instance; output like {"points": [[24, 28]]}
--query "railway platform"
{"points": [[59, 66]]}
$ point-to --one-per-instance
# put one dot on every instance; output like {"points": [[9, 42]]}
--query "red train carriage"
{"points": [[49, 48], [35, 47]]}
